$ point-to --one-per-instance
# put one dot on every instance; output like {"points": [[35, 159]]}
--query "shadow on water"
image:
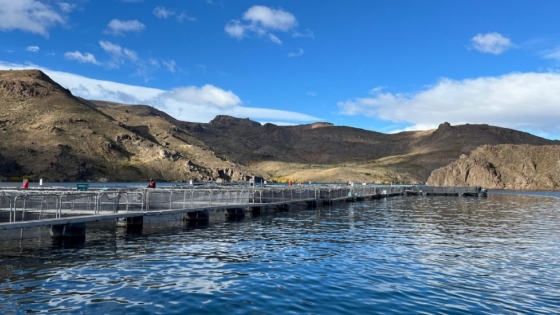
{"points": [[130, 230], [70, 243], [235, 215], [196, 225]]}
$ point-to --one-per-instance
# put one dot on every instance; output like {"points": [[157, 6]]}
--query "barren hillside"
{"points": [[48, 133], [519, 167]]}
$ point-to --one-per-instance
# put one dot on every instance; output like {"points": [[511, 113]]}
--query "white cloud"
{"points": [[32, 48], [552, 54], [311, 93], [170, 65], [119, 27], [377, 89], [262, 21], [111, 48], [273, 38], [268, 113], [164, 13], [306, 33], [29, 16], [491, 43], [189, 103], [297, 53], [207, 95], [118, 54], [83, 58], [270, 18], [523, 101], [235, 29], [183, 16], [67, 7]]}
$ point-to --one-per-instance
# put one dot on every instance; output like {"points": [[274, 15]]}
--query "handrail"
{"points": [[103, 201]]}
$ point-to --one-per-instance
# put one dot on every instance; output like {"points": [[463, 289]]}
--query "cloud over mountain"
{"points": [[189, 103], [525, 101]]}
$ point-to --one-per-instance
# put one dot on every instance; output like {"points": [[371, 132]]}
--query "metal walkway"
{"points": [[48, 207]]}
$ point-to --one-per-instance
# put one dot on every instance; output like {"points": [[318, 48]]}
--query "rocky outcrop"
{"points": [[516, 167], [225, 120], [29, 84]]}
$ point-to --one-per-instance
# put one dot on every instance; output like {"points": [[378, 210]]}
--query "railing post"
{"points": [[15, 208], [116, 203], [127, 200], [59, 205], [23, 209], [192, 197], [171, 199], [147, 200]]}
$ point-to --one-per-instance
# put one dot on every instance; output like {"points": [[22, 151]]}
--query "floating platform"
{"points": [[66, 210]]}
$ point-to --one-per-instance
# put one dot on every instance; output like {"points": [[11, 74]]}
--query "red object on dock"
{"points": [[25, 184]]}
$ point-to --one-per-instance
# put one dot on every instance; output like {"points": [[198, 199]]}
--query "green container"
{"points": [[82, 186]]}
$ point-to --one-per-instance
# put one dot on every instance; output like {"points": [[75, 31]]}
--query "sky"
{"points": [[385, 66]]}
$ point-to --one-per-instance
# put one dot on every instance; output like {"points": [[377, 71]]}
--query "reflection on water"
{"points": [[403, 255]]}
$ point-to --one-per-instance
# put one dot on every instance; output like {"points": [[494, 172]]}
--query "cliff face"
{"points": [[517, 167]]}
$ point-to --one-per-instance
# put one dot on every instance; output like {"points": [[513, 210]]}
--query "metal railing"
{"points": [[31, 204]]}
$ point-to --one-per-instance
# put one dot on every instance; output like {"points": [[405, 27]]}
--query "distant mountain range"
{"points": [[48, 133]]}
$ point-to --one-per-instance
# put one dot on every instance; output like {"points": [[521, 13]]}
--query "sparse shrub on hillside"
{"points": [[20, 178]]}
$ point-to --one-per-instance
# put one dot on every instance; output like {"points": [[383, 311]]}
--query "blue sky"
{"points": [[385, 66]]}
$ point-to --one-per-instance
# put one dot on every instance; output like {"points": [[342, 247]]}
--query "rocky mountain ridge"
{"points": [[344, 153], [48, 133]]}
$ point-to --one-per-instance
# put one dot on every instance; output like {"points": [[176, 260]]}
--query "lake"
{"points": [[413, 255]]}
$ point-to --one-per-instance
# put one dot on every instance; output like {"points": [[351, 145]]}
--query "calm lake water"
{"points": [[404, 255]]}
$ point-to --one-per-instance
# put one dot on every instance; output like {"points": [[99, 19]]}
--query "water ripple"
{"points": [[394, 256]]}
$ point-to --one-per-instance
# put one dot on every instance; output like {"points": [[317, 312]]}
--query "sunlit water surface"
{"points": [[441, 255]]}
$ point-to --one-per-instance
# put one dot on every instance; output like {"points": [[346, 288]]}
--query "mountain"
{"points": [[49, 133], [323, 152], [518, 167]]}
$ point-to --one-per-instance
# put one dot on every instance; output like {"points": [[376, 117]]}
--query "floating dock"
{"points": [[67, 211]]}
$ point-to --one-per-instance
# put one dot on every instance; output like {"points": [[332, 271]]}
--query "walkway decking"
{"points": [[55, 207]]}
